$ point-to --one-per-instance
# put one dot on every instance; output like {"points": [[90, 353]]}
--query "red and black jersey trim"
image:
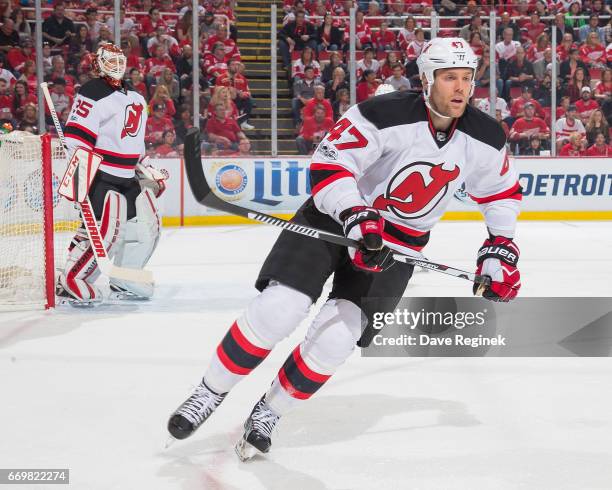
{"points": [[239, 355], [405, 237], [81, 133], [298, 379], [515, 192], [122, 160], [323, 174]]}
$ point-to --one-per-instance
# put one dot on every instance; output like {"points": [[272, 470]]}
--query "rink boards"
{"points": [[553, 189]]}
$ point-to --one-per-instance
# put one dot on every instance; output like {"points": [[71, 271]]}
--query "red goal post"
{"points": [[36, 225]]}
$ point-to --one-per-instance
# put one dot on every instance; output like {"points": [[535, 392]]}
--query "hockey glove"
{"points": [[366, 226], [497, 258], [151, 177]]}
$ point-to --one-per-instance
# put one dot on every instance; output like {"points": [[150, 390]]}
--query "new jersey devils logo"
{"points": [[416, 189], [131, 123]]}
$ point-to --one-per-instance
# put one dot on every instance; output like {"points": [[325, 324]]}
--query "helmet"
{"points": [[110, 63], [384, 88], [446, 52]]}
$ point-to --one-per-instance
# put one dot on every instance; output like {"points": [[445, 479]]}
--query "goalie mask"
{"points": [[110, 64], [445, 52]]}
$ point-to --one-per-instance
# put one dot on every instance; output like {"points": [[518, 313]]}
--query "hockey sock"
{"points": [[236, 356]]}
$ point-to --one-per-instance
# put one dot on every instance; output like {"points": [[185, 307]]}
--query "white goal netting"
{"points": [[23, 248]]}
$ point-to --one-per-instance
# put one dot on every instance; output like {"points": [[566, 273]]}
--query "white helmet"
{"points": [[384, 88], [445, 52], [111, 63]]}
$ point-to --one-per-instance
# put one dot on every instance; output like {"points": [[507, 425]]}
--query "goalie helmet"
{"points": [[445, 52], [110, 63]]}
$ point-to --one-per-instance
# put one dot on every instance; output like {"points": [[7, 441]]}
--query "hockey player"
{"points": [[383, 175], [109, 119]]}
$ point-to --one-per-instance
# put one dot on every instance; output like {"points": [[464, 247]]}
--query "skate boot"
{"points": [[258, 429], [194, 411], [119, 292], [81, 295]]}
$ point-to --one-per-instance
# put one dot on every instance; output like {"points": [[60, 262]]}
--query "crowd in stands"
{"points": [[314, 45], [156, 37]]}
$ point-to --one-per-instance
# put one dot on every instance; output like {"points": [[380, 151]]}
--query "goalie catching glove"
{"points": [[366, 226], [497, 258], [152, 178]]}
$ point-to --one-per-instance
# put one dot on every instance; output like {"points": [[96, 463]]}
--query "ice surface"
{"points": [[92, 390]]}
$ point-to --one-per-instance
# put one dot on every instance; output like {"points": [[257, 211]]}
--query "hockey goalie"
{"points": [[107, 126]]}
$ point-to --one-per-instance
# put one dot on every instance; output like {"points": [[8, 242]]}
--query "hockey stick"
{"points": [[205, 196], [93, 232]]}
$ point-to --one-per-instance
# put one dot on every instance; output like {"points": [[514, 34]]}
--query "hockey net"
{"points": [[36, 225]]}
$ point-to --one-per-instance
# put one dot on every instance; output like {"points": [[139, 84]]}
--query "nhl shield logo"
{"points": [[131, 122], [417, 189]]}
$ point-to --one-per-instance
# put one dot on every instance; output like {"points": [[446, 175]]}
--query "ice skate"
{"points": [[257, 437]]}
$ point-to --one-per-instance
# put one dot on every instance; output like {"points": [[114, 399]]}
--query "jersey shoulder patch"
{"points": [[482, 127], [96, 89], [393, 109]]}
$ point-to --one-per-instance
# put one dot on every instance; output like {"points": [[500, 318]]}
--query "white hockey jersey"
{"points": [[111, 122], [385, 153]]}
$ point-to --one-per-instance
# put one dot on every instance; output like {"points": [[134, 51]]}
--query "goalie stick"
{"points": [[205, 196], [93, 232]]}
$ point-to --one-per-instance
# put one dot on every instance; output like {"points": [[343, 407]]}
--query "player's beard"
{"points": [[447, 107]]}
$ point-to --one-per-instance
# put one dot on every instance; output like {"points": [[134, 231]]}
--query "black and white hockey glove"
{"points": [[366, 226]]}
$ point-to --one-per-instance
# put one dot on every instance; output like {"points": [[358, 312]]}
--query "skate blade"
{"points": [[116, 296], [245, 451], [77, 304], [171, 440]]}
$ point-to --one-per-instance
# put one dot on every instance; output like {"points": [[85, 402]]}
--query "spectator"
{"points": [[335, 61], [562, 108], [363, 33], [328, 35], [384, 39], [572, 19], [367, 87], [303, 91], [407, 34], [506, 49], [570, 65], [47, 58], [519, 72], [60, 99], [306, 59], [318, 100], [21, 97], [30, 116], [150, 23], [398, 81], [476, 43], [79, 46], [28, 75], [541, 66], [533, 28], [502, 123], [396, 8], [568, 125], [526, 126], [535, 146], [58, 72], [105, 37], [597, 124], [16, 58], [9, 37], [578, 82], [222, 130], [506, 22], [518, 104], [184, 122], [586, 104], [161, 96], [229, 45], [93, 24], [167, 149], [387, 66], [6, 118], [575, 147], [155, 65], [209, 25], [313, 130], [222, 95], [603, 89], [564, 47], [215, 63], [537, 49], [168, 79], [501, 106], [592, 26], [338, 82], [221, 7], [593, 53], [164, 39], [136, 82], [58, 29], [369, 62], [239, 91], [127, 25], [6, 98], [244, 147], [600, 148], [184, 27], [543, 93], [342, 103], [483, 72], [416, 46], [157, 125], [20, 24], [475, 25], [373, 11], [296, 35], [562, 28]]}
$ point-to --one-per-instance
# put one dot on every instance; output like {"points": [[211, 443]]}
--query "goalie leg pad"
{"points": [[81, 269], [140, 240]]}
